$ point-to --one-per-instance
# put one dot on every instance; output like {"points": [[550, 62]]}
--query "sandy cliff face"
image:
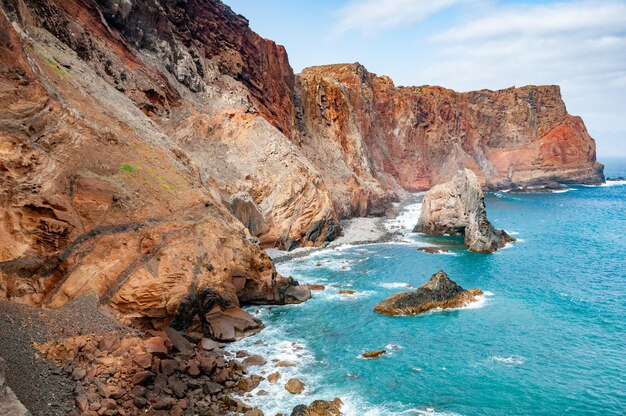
{"points": [[420, 136]]}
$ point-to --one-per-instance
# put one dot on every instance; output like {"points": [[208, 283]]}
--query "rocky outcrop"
{"points": [[458, 208], [438, 292], [10, 405]]}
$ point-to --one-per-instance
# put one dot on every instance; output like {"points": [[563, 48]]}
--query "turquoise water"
{"points": [[550, 339]]}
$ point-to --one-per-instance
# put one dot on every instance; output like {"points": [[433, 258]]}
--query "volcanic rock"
{"points": [[273, 378], [438, 292], [254, 360], [458, 208], [139, 150]]}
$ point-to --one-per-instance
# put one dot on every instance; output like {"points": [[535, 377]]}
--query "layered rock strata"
{"points": [[439, 292], [458, 208], [412, 138]]}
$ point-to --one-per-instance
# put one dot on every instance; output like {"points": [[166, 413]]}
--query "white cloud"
{"points": [[543, 20], [580, 45], [371, 16]]}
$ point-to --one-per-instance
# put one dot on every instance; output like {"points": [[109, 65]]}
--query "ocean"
{"points": [[547, 338]]}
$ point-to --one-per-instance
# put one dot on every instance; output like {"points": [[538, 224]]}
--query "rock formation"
{"points": [[9, 403], [319, 408], [438, 292], [458, 208], [372, 132], [148, 150]]}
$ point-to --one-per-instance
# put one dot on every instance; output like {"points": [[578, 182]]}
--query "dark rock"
{"points": [[254, 360], [433, 250], [438, 292]]}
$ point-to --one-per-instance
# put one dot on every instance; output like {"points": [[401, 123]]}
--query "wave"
{"points": [[613, 183], [396, 285], [510, 360], [355, 406], [405, 220], [344, 297]]}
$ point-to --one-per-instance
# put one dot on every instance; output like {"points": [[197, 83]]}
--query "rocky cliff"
{"points": [[100, 188], [147, 147], [413, 138]]}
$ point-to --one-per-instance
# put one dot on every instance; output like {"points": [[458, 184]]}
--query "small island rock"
{"points": [[438, 292]]}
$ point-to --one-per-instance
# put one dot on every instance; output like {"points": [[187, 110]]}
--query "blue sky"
{"points": [[468, 45]]}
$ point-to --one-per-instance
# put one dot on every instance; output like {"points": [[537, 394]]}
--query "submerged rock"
{"points": [[433, 250], [373, 354], [438, 292], [458, 208]]}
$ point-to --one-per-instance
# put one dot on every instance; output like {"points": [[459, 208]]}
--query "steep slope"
{"points": [[418, 137], [96, 194]]}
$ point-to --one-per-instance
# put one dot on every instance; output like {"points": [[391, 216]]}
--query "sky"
{"points": [[468, 45]]}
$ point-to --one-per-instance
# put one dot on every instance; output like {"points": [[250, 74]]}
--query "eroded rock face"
{"points": [[416, 137], [126, 127], [95, 194], [458, 208], [438, 292]]}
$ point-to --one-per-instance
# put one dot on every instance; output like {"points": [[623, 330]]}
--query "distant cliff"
{"points": [[416, 137], [126, 127]]}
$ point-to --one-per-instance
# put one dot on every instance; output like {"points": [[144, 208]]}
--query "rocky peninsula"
{"points": [[439, 292]]}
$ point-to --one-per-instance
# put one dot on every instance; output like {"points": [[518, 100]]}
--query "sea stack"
{"points": [[458, 208], [438, 292]]}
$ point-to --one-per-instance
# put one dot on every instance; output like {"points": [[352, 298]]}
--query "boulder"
{"points": [[294, 386], [346, 292], [319, 408], [458, 208], [438, 292], [254, 360], [433, 250], [273, 378], [232, 324]]}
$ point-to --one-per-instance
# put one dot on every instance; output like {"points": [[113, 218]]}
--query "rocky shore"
{"points": [[94, 366]]}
